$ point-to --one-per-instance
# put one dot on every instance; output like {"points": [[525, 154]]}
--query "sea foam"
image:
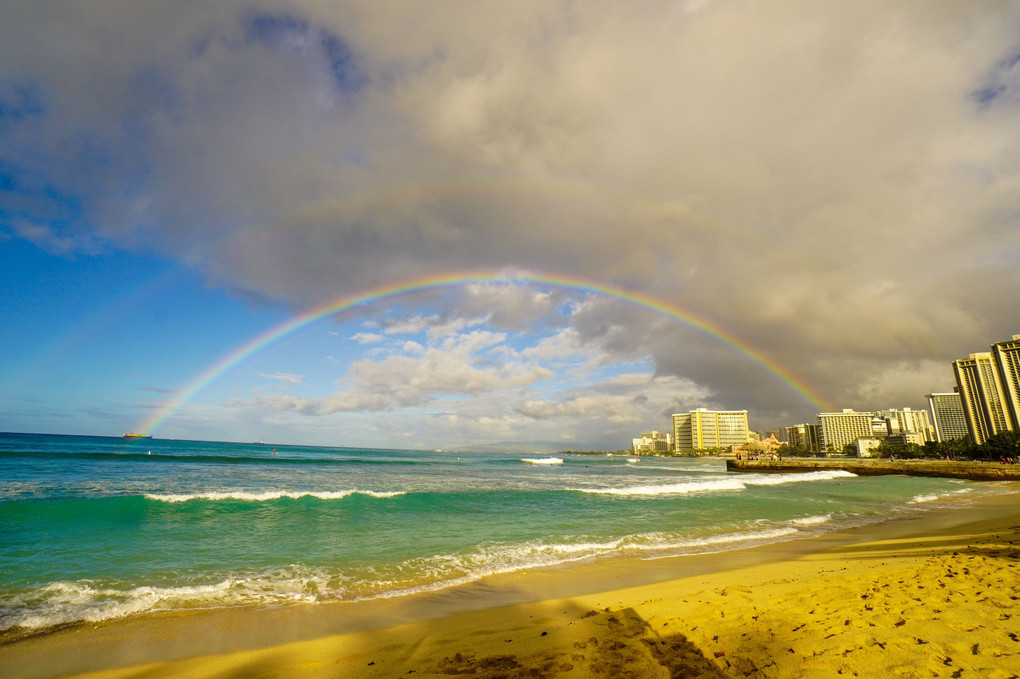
{"points": [[67, 602], [812, 520], [61, 603], [267, 495], [718, 483], [931, 497]]}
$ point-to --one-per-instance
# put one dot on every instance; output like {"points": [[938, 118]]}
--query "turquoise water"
{"points": [[95, 528]]}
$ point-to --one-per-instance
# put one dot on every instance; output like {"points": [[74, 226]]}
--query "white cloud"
{"points": [[417, 375], [508, 306], [276, 402], [828, 183], [367, 338], [565, 344], [636, 399], [285, 378], [409, 326]]}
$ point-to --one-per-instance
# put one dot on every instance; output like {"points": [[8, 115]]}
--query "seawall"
{"points": [[974, 471]]}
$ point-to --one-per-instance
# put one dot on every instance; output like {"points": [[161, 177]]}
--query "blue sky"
{"points": [[88, 336], [100, 341], [832, 186]]}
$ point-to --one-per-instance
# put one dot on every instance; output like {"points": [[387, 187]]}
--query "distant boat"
{"points": [[129, 435]]}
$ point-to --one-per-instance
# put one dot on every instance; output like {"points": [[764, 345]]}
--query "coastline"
{"points": [[930, 591], [972, 471]]}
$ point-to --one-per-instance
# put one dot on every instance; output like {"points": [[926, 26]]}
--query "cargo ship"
{"points": [[137, 436]]}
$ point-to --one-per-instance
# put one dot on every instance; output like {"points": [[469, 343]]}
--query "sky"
{"points": [[444, 224]]}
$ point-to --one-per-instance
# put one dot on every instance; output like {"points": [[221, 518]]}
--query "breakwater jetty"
{"points": [[973, 471]]}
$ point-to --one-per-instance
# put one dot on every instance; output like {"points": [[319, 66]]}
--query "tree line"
{"points": [[1003, 445]]}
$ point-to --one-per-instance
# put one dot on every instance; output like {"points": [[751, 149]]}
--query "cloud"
{"points": [[832, 184], [367, 338], [451, 369], [577, 416], [905, 380], [416, 375], [159, 390], [510, 307], [435, 326], [277, 402], [53, 241], [565, 344], [284, 378], [634, 399], [516, 396]]}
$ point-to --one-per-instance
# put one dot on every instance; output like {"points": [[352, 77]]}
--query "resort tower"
{"points": [[1006, 356], [977, 379], [804, 436], [947, 415], [703, 429], [839, 429], [907, 425]]}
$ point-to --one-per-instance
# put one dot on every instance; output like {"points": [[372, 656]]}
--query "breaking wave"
{"points": [[267, 495], [717, 484]]}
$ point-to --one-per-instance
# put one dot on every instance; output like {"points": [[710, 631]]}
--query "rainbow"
{"points": [[452, 280]]}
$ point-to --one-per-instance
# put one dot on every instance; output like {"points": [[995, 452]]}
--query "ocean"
{"points": [[97, 528]]}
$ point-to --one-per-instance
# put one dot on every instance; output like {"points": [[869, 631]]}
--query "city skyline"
{"points": [[985, 402], [229, 226], [989, 386]]}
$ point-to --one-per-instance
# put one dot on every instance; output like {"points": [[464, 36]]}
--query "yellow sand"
{"points": [[941, 603]]}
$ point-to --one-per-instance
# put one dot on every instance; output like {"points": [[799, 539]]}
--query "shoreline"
{"points": [[971, 471], [651, 602]]}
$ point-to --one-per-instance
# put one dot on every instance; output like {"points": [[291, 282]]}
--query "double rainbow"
{"points": [[452, 280]]}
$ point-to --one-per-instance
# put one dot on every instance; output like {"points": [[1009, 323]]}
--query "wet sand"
{"points": [[935, 596]]}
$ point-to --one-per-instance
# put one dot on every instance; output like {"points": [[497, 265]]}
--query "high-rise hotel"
{"points": [[1007, 359], [989, 387], [838, 429], [947, 415], [702, 429]]}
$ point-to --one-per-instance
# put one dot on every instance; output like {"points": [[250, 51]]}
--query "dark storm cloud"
{"points": [[835, 184]]}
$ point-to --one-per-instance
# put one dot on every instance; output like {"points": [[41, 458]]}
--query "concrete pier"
{"points": [[974, 471]]}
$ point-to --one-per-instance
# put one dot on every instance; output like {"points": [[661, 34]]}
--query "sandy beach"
{"points": [[936, 596]]}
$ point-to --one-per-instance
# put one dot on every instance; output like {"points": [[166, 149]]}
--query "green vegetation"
{"points": [[786, 450], [700, 452], [1003, 445]]}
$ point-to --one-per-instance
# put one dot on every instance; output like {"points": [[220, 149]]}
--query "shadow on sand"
{"points": [[565, 641]]}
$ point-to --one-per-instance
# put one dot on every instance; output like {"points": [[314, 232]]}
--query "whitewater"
{"points": [[96, 528]]}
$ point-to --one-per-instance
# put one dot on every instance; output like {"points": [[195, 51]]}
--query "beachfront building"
{"points": [[804, 436], [757, 447], [907, 425], [947, 416], [1006, 356], [704, 429], [867, 446], [653, 442], [839, 429], [980, 387]]}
